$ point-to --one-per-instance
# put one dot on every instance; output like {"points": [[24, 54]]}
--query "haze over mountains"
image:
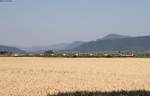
{"points": [[111, 42], [61, 46], [11, 49]]}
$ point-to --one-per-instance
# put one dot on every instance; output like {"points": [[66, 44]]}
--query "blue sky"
{"points": [[46, 22]]}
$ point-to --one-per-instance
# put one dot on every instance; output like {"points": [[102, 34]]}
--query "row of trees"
{"points": [[3, 52], [49, 52]]}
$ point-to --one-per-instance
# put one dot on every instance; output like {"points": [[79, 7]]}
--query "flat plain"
{"points": [[34, 76]]}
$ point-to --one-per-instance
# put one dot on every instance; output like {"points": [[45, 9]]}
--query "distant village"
{"points": [[51, 53]]}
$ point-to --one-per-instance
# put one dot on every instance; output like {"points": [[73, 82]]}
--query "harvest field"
{"points": [[33, 76]]}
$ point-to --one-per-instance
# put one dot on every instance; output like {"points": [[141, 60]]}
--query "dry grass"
{"points": [[24, 76]]}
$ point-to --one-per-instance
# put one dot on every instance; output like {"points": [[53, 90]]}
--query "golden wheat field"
{"points": [[33, 76]]}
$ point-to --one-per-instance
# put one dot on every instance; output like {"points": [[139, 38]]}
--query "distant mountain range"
{"points": [[11, 49], [61, 46], [113, 36], [117, 44], [68, 46], [111, 42]]}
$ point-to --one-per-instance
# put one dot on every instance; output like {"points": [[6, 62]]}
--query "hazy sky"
{"points": [[45, 22]]}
